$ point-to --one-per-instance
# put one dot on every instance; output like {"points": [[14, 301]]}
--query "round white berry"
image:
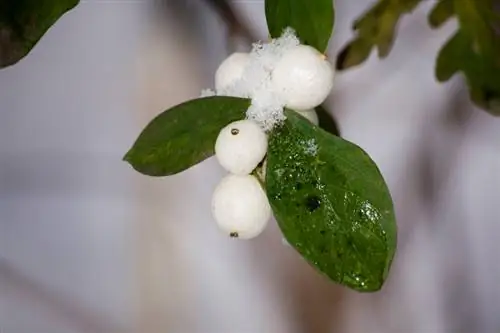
{"points": [[303, 78], [241, 146], [231, 70], [310, 115], [240, 206]]}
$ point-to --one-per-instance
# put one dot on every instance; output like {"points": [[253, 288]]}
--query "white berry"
{"points": [[241, 146], [303, 78], [231, 70], [240, 206], [310, 115]]}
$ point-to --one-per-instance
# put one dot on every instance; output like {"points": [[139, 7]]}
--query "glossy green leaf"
{"points": [[24, 22], [184, 135], [474, 50], [313, 21], [331, 204], [374, 29]]}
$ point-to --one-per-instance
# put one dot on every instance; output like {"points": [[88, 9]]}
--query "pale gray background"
{"points": [[89, 245]]}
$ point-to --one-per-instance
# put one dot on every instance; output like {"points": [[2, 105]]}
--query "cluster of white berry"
{"points": [[281, 73], [239, 203]]}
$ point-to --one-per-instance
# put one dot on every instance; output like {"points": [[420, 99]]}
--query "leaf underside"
{"points": [[184, 135], [24, 22], [331, 203], [313, 21]]}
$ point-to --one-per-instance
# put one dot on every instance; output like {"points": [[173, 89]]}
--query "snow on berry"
{"points": [[207, 93], [303, 78], [310, 115], [240, 206], [273, 75], [241, 146]]}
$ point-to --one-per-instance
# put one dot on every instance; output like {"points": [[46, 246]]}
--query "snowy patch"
{"points": [[207, 93], [311, 147], [266, 107]]}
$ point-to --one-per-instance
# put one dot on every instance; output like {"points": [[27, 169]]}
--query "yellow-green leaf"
{"points": [[473, 50], [374, 29]]}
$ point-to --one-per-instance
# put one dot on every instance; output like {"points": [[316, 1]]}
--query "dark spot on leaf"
{"points": [[234, 235], [322, 232], [312, 203], [298, 186], [235, 131], [323, 249]]}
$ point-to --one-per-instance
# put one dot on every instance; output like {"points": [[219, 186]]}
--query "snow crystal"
{"points": [[266, 107], [310, 147]]}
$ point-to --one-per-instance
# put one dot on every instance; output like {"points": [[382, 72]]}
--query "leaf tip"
{"points": [[353, 54], [127, 157]]}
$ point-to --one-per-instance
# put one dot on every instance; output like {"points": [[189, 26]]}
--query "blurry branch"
{"points": [[235, 25], [455, 120]]}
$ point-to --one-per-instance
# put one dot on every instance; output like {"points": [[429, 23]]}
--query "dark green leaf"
{"points": [[474, 50], [331, 203], [184, 135], [312, 20], [24, 22], [375, 29], [327, 121]]}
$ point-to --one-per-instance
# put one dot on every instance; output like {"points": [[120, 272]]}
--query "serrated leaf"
{"points": [[184, 135], [313, 21], [374, 29], [331, 203], [24, 22], [474, 50]]}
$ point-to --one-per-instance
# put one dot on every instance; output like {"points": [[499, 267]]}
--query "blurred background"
{"points": [[89, 245]]}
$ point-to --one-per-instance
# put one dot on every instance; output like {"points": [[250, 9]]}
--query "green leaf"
{"points": [[327, 121], [474, 50], [24, 22], [184, 135], [375, 29], [331, 204], [441, 13], [313, 20]]}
